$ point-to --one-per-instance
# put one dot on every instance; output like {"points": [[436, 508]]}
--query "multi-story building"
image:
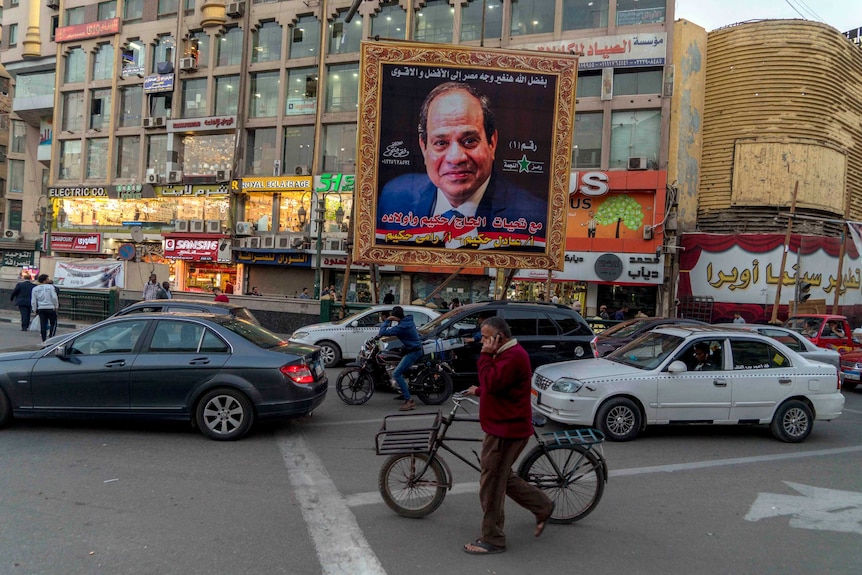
{"points": [[226, 133]]}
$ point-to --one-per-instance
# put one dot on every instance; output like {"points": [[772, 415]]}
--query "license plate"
{"points": [[851, 375]]}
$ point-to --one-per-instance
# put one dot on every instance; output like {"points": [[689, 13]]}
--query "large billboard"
{"points": [[464, 156]]}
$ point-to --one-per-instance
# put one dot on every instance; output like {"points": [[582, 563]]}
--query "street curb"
{"points": [[59, 323]]}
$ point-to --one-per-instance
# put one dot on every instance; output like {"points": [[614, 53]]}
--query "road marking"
{"points": [[817, 508], [372, 497], [852, 410], [341, 547]]}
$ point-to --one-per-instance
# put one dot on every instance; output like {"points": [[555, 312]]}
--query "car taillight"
{"points": [[298, 372]]}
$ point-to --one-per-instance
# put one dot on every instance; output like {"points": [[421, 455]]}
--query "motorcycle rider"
{"points": [[405, 330]]}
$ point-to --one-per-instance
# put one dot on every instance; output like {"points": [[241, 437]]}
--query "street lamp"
{"points": [[44, 216], [319, 220]]}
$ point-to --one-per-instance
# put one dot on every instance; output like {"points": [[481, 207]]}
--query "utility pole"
{"points": [[784, 256]]}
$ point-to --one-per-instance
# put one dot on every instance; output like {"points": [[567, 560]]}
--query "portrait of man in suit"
{"points": [[461, 201]]}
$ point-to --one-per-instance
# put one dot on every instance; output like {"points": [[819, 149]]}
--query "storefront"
{"points": [[200, 262]]}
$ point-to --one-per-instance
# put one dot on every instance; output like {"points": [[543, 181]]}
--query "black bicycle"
{"points": [[567, 465]]}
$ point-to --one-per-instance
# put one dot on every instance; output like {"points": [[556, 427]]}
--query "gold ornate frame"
{"points": [[374, 55]]}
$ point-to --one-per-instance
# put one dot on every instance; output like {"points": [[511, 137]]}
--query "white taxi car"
{"points": [[747, 379]]}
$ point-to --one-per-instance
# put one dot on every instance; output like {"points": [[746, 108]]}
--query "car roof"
{"points": [[185, 301]]}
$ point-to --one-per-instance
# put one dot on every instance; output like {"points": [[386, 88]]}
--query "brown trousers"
{"points": [[498, 480]]}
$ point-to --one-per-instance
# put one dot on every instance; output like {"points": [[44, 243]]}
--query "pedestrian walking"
{"points": [[505, 415], [151, 289], [21, 296], [44, 300], [166, 289], [220, 295]]}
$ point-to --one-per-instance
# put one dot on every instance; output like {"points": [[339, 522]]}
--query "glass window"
{"points": [[194, 98], [230, 47], [298, 144], [16, 176], [390, 21], [584, 14], [589, 84], [339, 148], [134, 57], [131, 106], [133, 9], [262, 152], [70, 160], [128, 155], [301, 91], [107, 10], [634, 12], [264, 94], [103, 62], [587, 147], [76, 65], [749, 355], [73, 112], [198, 47], [97, 158], [19, 137], [471, 20], [205, 154], [114, 338], [266, 43], [635, 133], [342, 88], [344, 38], [637, 81], [226, 95], [304, 37], [160, 104], [12, 31], [163, 54], [168, 8], [39, 84], [288, 211], [157, 153], [75, 16], [435, 22], [532, 17], [100, 109]]}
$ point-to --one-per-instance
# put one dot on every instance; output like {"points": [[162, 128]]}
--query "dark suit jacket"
{"points": [[416, 194]]}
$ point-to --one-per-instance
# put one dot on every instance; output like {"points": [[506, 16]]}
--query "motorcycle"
{"points": [[428, 379]]}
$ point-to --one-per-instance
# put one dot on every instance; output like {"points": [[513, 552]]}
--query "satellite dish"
{"points": [[137, 234]]}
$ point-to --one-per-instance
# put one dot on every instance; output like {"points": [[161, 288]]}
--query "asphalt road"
{"points": [[301, 498]]}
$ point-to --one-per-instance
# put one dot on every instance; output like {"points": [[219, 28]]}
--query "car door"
{"points": [[351, 338], [181, 356], [695, 396], [93, 373], [762, 377], [536, 333]]}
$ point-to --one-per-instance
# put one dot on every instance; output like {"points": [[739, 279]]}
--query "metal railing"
{"points": [[88, 305]]}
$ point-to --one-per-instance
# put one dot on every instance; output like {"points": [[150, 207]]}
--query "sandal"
{"points": [[540, 523], [479, 547]]}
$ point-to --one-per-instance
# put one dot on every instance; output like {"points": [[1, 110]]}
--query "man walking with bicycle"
{"points": [[505, 415]]}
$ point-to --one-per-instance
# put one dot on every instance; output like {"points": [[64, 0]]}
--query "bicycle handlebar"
{"points": [[460, 396]]}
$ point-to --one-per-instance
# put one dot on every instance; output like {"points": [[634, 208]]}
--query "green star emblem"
{"points": [[523, 164]]}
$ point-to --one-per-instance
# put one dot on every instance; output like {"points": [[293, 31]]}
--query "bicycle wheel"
{"points": [[433, 386], [577, 491], [408, 494], [354, 386]]}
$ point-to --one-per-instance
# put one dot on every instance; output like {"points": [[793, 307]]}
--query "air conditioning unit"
{"points": [[213, 226], [234, 9], [196, 226], [638, 163], [181, 225], [175, 176], [302, 170], [335, 245], [253, 242], [188, 64], [53, 4], [267, 242], [283, 242], [11, 234], [243, 229], [153, 177], [223, 175]]}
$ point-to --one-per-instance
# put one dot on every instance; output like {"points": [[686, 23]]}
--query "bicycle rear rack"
{"points": [[586, 436], [400, 433]]}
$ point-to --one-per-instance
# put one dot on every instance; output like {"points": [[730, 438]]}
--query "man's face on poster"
{"points": [[458, 155]]}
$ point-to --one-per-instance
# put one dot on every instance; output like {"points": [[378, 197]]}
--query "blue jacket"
{"points": [[405, 330], [21, 293]]}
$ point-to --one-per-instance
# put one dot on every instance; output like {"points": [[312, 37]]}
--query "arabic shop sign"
{"points": [[158, 83], [194, 191], [81, 243], [630, 269], [18, 258], [269, 258], [202, 124], [622, 51], [273, 184], [198, 249], [91, 30]]}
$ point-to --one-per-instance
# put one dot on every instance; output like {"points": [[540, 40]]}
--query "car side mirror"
{"points": [[354, 323], [61, 351], [677, 367]]}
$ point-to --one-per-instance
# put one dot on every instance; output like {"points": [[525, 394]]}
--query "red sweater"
{"points": [[504, 386]]}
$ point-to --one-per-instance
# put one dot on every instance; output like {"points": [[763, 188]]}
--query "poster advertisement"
{"points": [[92, 275], [464, 153]]}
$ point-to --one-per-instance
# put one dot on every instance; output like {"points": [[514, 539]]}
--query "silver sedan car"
{"points": [[792, 339]]}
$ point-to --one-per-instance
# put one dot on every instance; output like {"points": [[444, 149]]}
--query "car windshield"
{"points": [[624, 329], [445, 320], [254, 333], [808, 326], [244, 314], [647, 351]]}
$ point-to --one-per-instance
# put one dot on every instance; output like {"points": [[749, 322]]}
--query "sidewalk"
{"points": [[13, 316]]}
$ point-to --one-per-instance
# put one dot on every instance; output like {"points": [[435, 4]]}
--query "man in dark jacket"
{"points": [[405, 330], [21, 296]]}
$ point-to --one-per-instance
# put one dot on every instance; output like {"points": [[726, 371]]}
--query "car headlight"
{"points": [[567, 385], [299, 335]]}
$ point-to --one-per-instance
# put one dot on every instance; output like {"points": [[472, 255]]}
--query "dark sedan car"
{"points": [[629, 330], [215, 371]]}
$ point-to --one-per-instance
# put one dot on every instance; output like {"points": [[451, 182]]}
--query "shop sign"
{"points": [[82, 243], [608, 267], [334, 183], [202, 124], [621, 51], [79, 192], [273, 184], [340, 262], [18, 258], [158, 83], [194, 191], [118, 192], [634, 269], [91, 30], [198, 249], [298, 259]]}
